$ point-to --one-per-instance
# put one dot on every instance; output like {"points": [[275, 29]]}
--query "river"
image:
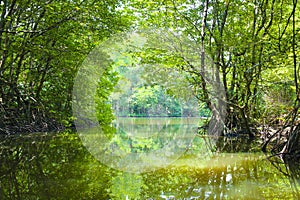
{"points": [[156, 159]]}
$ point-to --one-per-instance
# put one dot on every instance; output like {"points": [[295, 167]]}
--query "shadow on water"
{"points": [[49, 166], [290, 168], [58, 166], [293, 169]]}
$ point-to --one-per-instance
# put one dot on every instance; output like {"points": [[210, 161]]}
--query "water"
{"points": [[59, 166]]}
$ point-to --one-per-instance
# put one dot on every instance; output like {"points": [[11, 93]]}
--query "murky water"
{"points": [[58, 166]]}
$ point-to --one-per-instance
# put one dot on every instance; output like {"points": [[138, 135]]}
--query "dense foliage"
{"points": [[254, 47], [42, 43], [234, 62]]}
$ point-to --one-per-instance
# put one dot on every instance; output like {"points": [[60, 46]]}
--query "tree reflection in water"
{"points": [[58, 166], [290, 168]]}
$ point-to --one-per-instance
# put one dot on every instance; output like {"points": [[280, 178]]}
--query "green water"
{"points": [[59, 166]]}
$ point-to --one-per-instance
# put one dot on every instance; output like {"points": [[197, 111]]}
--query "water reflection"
{"points": [[49, 166], [141, 144], [127, 186], [238, 143], [58, 166], [293, 169], [290, 168]]}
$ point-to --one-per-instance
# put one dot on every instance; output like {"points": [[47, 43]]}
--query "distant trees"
{"points": [[138, 95], [152, 101], [147, 101]]}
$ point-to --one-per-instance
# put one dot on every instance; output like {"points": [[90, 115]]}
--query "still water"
{"points": [[61, 166]]}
